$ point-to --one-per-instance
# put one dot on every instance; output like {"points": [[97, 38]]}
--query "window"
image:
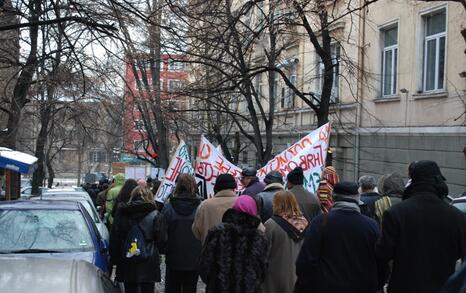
{"points": [[335, 54], [434, 25], [287, 93], [139, 145], [174, 85], [389, 60], [175, 65], [245, 157], [98, 156], [139, 125], [161, 84], [259, 85]]}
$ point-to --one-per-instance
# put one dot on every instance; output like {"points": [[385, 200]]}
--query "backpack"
{"points": [[136, 247]]}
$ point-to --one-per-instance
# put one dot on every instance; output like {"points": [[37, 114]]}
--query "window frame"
{"points": [[335, 96], [395, 66], [423, 46]]}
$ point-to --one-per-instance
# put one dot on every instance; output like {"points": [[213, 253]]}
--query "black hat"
{"points": [[248, 172], [273, 177], [296, 176], [346, 188], [425, 170], [224, 181]]}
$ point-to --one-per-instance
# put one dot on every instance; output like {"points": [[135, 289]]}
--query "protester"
{"points": [[101, 198], [338, 253], [325, 190], [183, 249], [308, 202], [422, 235], [367, 186], [140, 211], [233, 256], [125, 193], [391, 187], [210, 211], [112, 194], [142, 183], [274, 181], [251, 183], [285, 233]]}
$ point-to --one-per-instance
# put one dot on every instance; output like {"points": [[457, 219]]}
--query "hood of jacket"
{"points": [[240, 219], [185, 205], [274, 186], [440, 189], [119, 179], [391, 185]]}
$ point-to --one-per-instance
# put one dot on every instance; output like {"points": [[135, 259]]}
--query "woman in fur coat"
{"points": [[233, 256]]}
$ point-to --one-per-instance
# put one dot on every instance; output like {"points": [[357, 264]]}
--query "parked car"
{"points": [[86, 201], [21, 274], [60, 229], [460, 203]]}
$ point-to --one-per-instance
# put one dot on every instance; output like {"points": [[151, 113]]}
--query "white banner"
{"points": [[209, 164], [180, 163], [309, 153]]}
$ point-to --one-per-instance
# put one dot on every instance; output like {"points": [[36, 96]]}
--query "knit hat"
{"points": [[346, 188], [273, 177], [248, 172], [245, 204], [296, 176], [425, 170], [224, 181]]}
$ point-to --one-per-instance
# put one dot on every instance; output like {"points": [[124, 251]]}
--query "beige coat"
{"points": [[210, 212], [283, 251]]}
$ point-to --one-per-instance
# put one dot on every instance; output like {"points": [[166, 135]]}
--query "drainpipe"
{"points": [[359, 92]]}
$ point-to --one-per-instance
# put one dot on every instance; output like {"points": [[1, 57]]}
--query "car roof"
{"points": [[40, 204], [65, 192], [26, 273], [459, 199]]}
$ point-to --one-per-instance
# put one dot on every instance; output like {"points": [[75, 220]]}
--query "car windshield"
{"points": [[54, 230], [461, 206]]}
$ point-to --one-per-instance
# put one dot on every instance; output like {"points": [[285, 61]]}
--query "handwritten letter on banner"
{"points": [[179, 164], [309, 153], [209, 164]]}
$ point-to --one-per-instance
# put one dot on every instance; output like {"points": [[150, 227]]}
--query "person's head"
{"points": [[391, 185], [245, 204], [149, 182], [126, 189], [426, 171], [295, 177], [273, 177], [185, 184], [285, 205], [119, 179], [367, 183], [155, 185], [142, 183], [142, 194], [223, 182], [346, 189], [94, 186], [247, 175]]}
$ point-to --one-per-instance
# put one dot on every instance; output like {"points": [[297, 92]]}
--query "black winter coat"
{"points": [[155, 230], [424, 237], [234, 255], [369, 198], [183, 249]]}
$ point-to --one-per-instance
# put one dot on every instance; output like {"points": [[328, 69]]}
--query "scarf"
{"points": [[346, 204], [295, 227]]}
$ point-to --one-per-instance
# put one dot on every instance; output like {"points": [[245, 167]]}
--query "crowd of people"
{"points": [[369, 236]]}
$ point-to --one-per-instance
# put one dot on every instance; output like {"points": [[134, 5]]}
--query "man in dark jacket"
{"points": [[422, 235], [308, 202], [251, 183], [338, 253], [274, 181], [367, 185], [183, 249]]}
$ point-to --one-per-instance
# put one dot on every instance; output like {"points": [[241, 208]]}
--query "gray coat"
{"points": [[267, 200], [308, 202], [283, 251]]}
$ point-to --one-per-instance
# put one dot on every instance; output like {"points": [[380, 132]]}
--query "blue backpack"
{"points": [[136, 248]]}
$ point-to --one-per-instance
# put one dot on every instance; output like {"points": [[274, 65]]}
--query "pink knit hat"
{"points": [[246, 204]]}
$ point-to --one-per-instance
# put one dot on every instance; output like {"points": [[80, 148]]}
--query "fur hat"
{"points": [[273, 177], [224, 181], [296, 176]]}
